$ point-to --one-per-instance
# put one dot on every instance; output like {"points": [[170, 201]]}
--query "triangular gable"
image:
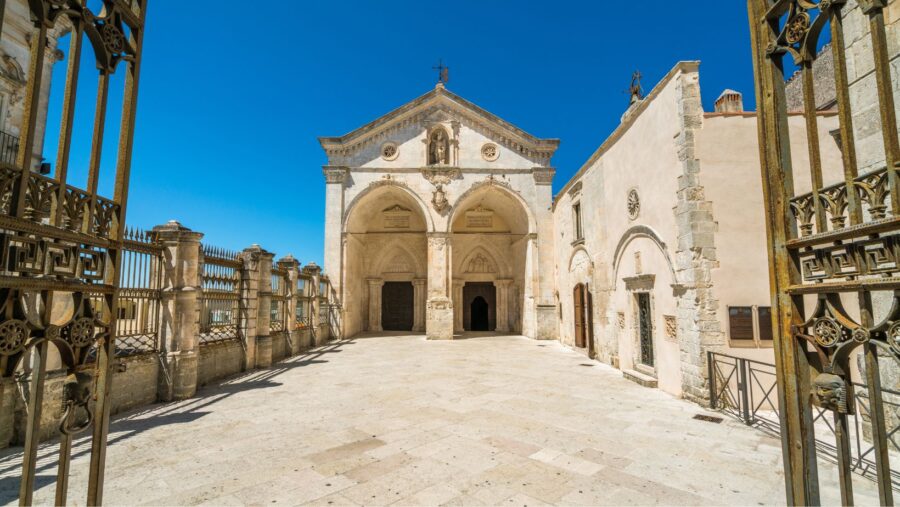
{"points": [[434, 105]]}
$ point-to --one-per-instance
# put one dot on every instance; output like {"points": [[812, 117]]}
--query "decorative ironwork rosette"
{"points": [[860, 335], [893, 337], [113, 38], [80, 333], [827, 332], [13, 335]]}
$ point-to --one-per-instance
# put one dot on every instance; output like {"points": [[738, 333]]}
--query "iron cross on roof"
{"points": [[443, 72]]}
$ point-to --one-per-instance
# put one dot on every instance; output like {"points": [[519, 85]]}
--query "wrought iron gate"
{"points": [[62, 246], [846, 253]]}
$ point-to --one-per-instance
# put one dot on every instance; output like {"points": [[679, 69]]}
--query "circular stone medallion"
{"points": [[634, 204], [390, 151], [490, 152]]}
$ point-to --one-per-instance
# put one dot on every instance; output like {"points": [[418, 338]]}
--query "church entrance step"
{"points": [[640, 378]]}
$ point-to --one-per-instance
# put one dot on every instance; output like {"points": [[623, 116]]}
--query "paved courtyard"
{"points": [[401, 420]]}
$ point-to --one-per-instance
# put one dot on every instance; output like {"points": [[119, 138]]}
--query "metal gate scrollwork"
{"points": [[833, 250], [61, 246]]}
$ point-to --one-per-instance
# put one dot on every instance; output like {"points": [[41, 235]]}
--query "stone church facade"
{"points": [[438, 221]]}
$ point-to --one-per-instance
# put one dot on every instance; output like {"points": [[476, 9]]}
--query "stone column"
{"points": [[458, 305], [547, 322], [314, 272], [290, 306], [502, 287], [264, 311], [375, 285], [249, 305], [419, 286], [439, 312], [179, 327], [335, 177]]}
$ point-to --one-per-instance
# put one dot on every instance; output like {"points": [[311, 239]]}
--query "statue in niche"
{"points": [[439, 148]]}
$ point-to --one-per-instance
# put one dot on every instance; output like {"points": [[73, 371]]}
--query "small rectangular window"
{"points": [[765, 323], [740, 322], [579, 231]]}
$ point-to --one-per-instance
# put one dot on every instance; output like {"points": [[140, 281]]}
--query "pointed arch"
{"points": [[636, 232], [500, 268], [395, 247]]}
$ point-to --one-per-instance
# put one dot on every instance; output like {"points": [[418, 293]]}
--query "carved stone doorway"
{"points": [[397, 306], [479, 306]]}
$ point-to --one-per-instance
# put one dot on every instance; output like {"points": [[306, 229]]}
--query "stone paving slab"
{"points": [[401, 420]]}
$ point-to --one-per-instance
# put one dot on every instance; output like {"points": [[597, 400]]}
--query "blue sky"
{"points": [[234, 96]]}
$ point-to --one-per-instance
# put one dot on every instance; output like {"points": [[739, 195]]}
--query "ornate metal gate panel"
{"points": [[645, 328], [62, 246], [836, 244]]}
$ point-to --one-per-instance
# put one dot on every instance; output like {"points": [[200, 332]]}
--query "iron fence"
{"points": [[280, 297], [138, 304], [220, 303], [747, 390]]}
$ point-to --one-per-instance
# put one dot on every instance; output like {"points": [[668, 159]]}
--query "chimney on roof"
{"points": [[730, 102]]}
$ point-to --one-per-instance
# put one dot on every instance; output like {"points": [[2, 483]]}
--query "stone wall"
{"points": [[219, 360]]}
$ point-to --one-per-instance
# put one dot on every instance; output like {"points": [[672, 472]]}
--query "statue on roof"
{"points": [[636, 91]]}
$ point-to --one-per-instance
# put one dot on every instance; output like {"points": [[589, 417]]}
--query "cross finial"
{"points": [[443, 72]]}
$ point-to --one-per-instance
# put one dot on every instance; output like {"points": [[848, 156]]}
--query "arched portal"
{"points": [[490, 237], [385, 263]]}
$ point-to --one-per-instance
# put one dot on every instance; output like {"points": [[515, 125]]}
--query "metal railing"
{"points": [[138, 312], [747, 390], [280, 296], [220, 304]]}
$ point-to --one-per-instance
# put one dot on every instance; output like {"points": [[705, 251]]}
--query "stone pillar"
{"points": [[179, 326], [335, 177], [547, 322], [419, 287], [264, 311], [291, 331], [249, 307], [458, 305], [502, 287], [439, 311], [375, 285], [314, 272]]}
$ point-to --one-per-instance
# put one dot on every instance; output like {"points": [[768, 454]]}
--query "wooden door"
{"points": [[578, 296], [397, 306]]}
